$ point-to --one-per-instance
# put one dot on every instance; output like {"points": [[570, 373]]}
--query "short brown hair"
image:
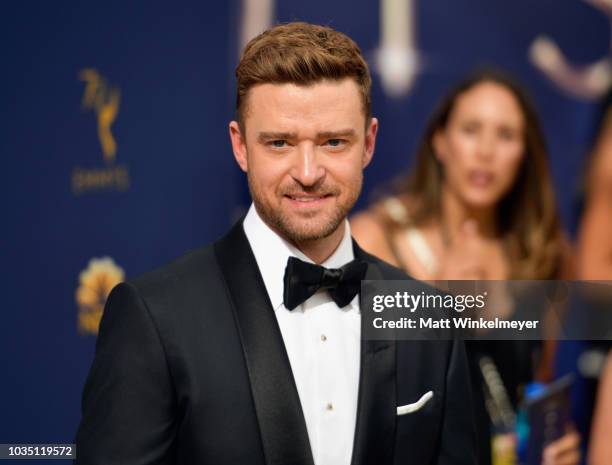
{"points": [[301, 53]]}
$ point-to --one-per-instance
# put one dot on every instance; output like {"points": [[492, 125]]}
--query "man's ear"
{"points": [[238, 145], [370, 141]]}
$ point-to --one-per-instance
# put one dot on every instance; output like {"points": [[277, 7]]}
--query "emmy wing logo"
{"points": [[95, 284], [103, 101]]}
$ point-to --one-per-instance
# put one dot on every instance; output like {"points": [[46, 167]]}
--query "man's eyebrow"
{"points": [[268, 136], [336, 134]]}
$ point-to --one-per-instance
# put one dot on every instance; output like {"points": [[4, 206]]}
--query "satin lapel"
{"points": [[376, 411], [279, 412]]}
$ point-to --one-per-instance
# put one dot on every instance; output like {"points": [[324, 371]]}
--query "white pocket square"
{"points": [[418, 405]]}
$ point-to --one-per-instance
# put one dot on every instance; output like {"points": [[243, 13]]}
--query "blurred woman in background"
{"points": [[479, 204], [595, 235], [600, 450], [595, 263]]}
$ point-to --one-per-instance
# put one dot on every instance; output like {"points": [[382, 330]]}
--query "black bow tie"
{"points": [[303, 279]]}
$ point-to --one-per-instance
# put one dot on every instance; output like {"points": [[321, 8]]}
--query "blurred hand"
{"points": [[465, 259], [563, 451]]}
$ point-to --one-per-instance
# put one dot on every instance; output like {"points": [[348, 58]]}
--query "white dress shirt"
{"points": [[322, 342]]}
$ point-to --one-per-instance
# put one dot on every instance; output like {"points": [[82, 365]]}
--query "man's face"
{"points": [[304, 150]]}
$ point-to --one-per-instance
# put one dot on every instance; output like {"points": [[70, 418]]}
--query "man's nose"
{"points": [[307, 168]]}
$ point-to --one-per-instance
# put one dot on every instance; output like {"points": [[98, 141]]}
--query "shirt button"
{"points": [[323, 337], [329, 407]]}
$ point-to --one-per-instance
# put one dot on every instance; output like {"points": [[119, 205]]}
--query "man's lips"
{"points": [[300, 200], [307, 198]]}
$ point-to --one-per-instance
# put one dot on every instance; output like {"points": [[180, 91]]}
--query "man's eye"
{"points": [[335, 142], [279, 144]]}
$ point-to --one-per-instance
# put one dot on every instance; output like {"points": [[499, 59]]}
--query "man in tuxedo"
{"points": [[249, 351]]}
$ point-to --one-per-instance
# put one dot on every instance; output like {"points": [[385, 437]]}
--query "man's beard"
{"points": [[300, 229]]}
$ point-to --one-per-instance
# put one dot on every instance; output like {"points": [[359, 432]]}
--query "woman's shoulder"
{"points": [[371, 229], [367, 226]]}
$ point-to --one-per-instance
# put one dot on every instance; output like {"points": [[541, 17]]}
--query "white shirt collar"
{"points": [[272, 252]]}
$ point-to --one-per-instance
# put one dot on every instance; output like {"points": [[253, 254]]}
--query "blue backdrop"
{"points": [[114, 129]]}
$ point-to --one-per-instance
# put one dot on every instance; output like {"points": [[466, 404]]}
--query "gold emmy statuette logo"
{"points": [[104, 101], [95, 284]]}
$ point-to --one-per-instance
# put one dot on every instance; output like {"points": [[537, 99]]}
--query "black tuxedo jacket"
{"points": [[191, 368]]}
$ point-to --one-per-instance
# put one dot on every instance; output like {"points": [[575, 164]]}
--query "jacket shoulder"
{"points": [[191, 268]]}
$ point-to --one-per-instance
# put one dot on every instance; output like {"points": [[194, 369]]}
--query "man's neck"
{"points": [[319, 250]]}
